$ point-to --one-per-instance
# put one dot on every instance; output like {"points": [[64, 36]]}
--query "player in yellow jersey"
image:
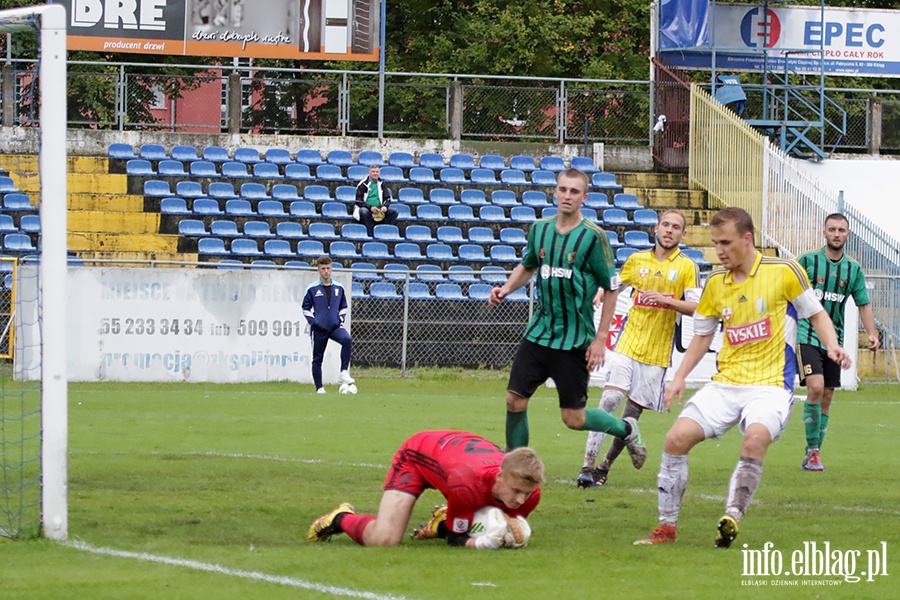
{"points": [[664, 284], [758, 301]]}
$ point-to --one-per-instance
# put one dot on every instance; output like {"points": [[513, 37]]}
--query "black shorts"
{"points": [[815, 361], [533, 364]]}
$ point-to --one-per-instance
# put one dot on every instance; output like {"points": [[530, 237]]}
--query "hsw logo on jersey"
{"points": [[738, 335], [640, 299]]}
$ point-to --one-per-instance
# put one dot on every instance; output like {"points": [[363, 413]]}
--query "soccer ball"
{"points": [[490, 519], [347, 388]]}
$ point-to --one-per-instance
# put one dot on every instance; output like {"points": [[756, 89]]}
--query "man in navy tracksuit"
{"points": [[325, 307]]}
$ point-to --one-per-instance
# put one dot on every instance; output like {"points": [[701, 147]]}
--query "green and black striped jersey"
{"points": [[569, 268], [833, 282]]}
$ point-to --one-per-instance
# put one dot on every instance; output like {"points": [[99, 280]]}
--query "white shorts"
{"points": [[642, 382], [718, 407]]}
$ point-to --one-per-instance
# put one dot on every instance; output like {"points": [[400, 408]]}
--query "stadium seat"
{"points": [[367, 158], [239, 208], [364, 271], [121, 151], [493, 214], [448, 291], [384, 290], [298, 172], [189, 189], [7, 185], [316, 193], [258, 229], [442, 196], [223, 228], [513, 177], [409, 195], [422, 175], [460, 213], [503, 253], [696, 256], [247, 155], [431, 160], [461, 274], [543, 178], [277, 248], [645, 217], [289, 230], [466, 162], [235, 170], [357, 290], [329, 173], [623, 253], [266, 170], [493, 275], [473, 197], [401, 160], [203, 168], [393, 175], [492, 162], [245, 247], [309, 157], [171, 168], [303, 209], [408, 251], [215, 154], [153, 152], [429, 272], [522, 214], [554, 164], [278, 156], [271, 208], [603, 180], [504, 198], [342, 249], [482, 235], [520, 295], [173, 206], [155, 187], [341, 158], [439, 252], [483, 177], [430, 212], [584, 164], [418, 291], [615, 217], [322, 231], [512, 236], [310, 248], [522, 163], [357, 173], [263, 264], [636, 238], [221, 190], [472, 253], [479, 291], [284, 192], [211, 245], [355, 232], [613, 239], [192, 228], [230, 264], [535, 199], [450, 234], [626, 201], [376, 251], [417, 233], [254, 191], [206, 206], [597, 200], [453, 176], [387, 233], [396, 272], [345, 194], [547, 212], [589, 213], [403, 212], [138, 167]]}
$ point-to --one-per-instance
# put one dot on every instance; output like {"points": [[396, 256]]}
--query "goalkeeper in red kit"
{"points": [[467, 469]]}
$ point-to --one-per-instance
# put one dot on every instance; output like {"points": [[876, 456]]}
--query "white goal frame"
{"points": [[53, 267]]}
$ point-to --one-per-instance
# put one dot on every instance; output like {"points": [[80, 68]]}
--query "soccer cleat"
{"points": [[600, 477], [812, 462], [728, 530], [664, 534], [430, 530], [586, 478], [635, 444], [321, 391], [345, 377], [323, 528]]}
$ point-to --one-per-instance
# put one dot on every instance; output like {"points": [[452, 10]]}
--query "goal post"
{"points": [[50, 23]]}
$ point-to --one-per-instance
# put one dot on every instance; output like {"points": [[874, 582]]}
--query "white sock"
{"points": [[744, 481], [609, 402], [671, 483]]}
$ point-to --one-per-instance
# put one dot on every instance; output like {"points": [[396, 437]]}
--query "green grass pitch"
{"points": [[206, 491]]}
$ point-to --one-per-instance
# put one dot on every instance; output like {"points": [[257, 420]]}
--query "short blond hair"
{"points": [[523, 463]]}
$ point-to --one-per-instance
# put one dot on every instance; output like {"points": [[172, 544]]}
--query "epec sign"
{"points": [[145, 15]]}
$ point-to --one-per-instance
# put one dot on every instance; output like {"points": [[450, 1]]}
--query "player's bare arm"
{"points": [[695, 352], [517, 279], [868, 319]]}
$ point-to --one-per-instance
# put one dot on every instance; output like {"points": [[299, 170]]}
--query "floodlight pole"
{"points": [[381, 46]]}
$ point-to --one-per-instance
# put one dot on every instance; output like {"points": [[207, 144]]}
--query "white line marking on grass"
{"points": [[308, 461], [211, 568]]}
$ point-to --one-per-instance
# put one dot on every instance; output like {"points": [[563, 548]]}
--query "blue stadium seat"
{"points": [[450, 234], [230, 264], [430, 212], [513, 177], [597, 200], [121, 151], [289, 230], [223, 228], [543, 178], [189, 189], [409, 195], [278, 156], [623, 253], [271, 208], [483, 177], [453, 176], [355, 232], [266, 170], [192, 228], [522, 214], [203, 168], [345, 193], [589, 213], [174, 206], [503, 253], [493, 275], [626, 201], [604, 181], [460, 212], [429, 272], [257, 229], [482, 235], [254, 191], [417, 233], [442, 196], [171, 168], [547, 212], [461, 274], [29, 224], [263, 264], [473, 197], [408, 251], [645, 217], [376, 251], [637, 238], [504, 198], [277, 248], [535, 199], [155, 187], [401, 160], [221, 190], [403, 212], [387, 233], [235, 170], [298, 172], [422, 175], [357, 173], [584, 164], [520, 295], [284, 192], [512, 236], [367, 158], [466, 162], [303, 209], [310, 248], [245, 247], [239, 208], [494, 214], [522, 163], [316, 193], [696, 256], [357, 290], [309, 157], [615, 217], [341, 158], [396, 272], [418, 291], [215, 154], [472, 253], [138, 167], [479, 291], [393, 175], [247, 155], [554, 164], [211, 245], [364, 271], [448, 291], [322, 231], [613, 237], [342, 249], [153, 152], [329, 173], [439, 252], [492, 162], [384, 290], [431, 160], [207, 206]]}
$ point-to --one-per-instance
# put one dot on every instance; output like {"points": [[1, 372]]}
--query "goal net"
{"points": [[33, 409]]}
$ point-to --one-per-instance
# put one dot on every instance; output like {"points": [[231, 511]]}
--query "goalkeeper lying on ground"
{"points": [[468, 470]]}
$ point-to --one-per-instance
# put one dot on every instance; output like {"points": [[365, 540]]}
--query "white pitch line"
{"points": [[252, 575]]}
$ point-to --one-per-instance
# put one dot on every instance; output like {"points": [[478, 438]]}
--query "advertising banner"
{"points": [[290, 29]]}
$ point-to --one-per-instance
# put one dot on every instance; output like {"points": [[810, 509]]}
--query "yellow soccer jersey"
{"points": [[760, 321], [648, 332]]}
